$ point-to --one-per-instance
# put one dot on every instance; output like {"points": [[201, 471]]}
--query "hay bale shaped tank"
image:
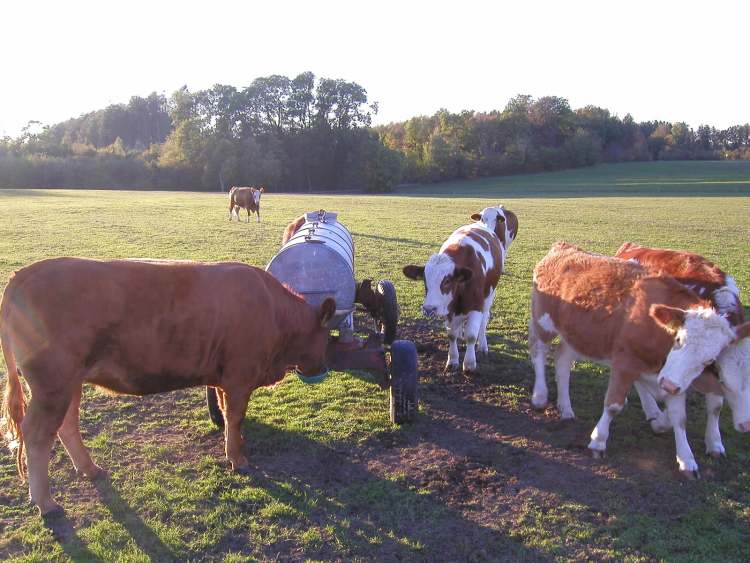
{"points": [[318, 262]]}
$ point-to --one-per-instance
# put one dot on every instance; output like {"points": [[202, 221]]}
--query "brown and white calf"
{"points": [[615, 312], [732, 366], [245, 198], [460, 280], [142, 327]]}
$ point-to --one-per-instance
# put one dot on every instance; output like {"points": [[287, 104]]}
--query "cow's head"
{"points": [[503, 222], [442, 280], [734, 375], [312, 358], [700, 335], [256, 194]]}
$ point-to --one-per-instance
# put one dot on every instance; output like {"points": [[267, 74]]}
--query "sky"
{"points": [[675, 61]]}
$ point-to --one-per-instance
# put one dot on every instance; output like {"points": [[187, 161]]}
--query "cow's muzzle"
{"points": [[669, 387]]}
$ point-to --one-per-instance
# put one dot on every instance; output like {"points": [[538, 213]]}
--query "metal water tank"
{"points": [[318, 262]]}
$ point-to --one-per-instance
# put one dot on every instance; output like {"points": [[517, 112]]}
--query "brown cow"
{"points": [[615, 312], [460, 280], [142, 327], [246, 198], [732, 366]]}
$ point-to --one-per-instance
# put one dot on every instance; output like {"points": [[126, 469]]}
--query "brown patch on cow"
{"points": [[688, 268]]}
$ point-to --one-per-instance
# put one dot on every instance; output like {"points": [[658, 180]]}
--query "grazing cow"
{"points": [[246, 198], [733, 364], [460, 280], [614, 312], [142, 327]]}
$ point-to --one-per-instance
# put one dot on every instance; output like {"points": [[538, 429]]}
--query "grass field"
{"points": [[480, 475]]}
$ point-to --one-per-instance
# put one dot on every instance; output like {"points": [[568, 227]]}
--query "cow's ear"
{"points": [[462, 275], [476, 216], [743, 331], [414, 272], [262, 189], [671, 318], [327, 310]]}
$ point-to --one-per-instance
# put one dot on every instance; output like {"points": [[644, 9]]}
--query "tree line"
{"points": [[307, 134]]}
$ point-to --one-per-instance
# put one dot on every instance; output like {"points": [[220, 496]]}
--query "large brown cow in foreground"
{"points": [[732, 366], [245, 198], [142, 327], [460, 280], [615, 312]]}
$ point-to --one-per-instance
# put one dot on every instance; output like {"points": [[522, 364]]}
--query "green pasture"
{"points": [[479, 476]]}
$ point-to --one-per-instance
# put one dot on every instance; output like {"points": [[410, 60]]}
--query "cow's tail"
{"points": [[14, 408]]}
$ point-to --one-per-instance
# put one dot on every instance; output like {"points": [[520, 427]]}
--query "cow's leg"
{"points": [[484, 349], [471, 333], [614, 402], [454, 331], [70, 435], [40, 425], [258, 212], [714, 445], [538, 352], [248, 214], [658, 418], [235, 406], [564, 359], [685, 458]]}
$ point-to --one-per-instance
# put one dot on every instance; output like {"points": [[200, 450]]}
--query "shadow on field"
{"points": [[63, 531], [36, 192], [410, 242], [368, 516], [139, 531]]}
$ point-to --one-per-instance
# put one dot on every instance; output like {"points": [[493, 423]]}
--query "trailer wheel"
{"points": [[404, 395], [389, 311], [214, 411]]}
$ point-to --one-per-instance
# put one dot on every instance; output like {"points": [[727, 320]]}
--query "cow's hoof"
{"points": [[718, 454], [598, 454], [690, 474], [567, 415], [93, 472], [538, 402], [451, 369], [52, 513], [471, 372]]}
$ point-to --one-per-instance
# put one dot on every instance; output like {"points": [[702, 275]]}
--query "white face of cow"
{"points": [[734, 375], [701, 335], [441, 277], [491, 217], [256, 197]]}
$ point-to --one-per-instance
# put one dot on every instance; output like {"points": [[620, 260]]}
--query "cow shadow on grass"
{"points": [[63, 530], [364, 514], [406, 241]]}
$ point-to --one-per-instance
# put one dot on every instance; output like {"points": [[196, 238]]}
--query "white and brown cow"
{"points": [[460, 280], [142, 327], [732, 366], [615, 312], [245, 198]]}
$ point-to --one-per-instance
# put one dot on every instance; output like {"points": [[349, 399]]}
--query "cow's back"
{"points": [[140, 326]]}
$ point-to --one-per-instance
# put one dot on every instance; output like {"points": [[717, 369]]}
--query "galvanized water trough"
{"points": [[318, 262]]}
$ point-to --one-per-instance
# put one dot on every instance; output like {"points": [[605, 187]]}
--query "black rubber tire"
{"points": [[214, 411], [389, 321], [404, 396]]}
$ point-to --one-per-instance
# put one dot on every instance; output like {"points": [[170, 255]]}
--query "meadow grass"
{"points": [[318, 488]]}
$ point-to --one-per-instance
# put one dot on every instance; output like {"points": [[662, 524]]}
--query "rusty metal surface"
{"points": [[367, 355]]}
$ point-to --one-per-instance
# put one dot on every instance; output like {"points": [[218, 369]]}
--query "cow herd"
{"points": [[665, 321]]}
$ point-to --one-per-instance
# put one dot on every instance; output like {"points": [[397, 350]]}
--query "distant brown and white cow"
{"points": [[142, 327], [733, 364], [460, 280], [615, 312], [246, 198]]}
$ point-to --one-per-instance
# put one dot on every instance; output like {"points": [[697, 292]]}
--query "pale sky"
{"points": [[654, 59]]}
